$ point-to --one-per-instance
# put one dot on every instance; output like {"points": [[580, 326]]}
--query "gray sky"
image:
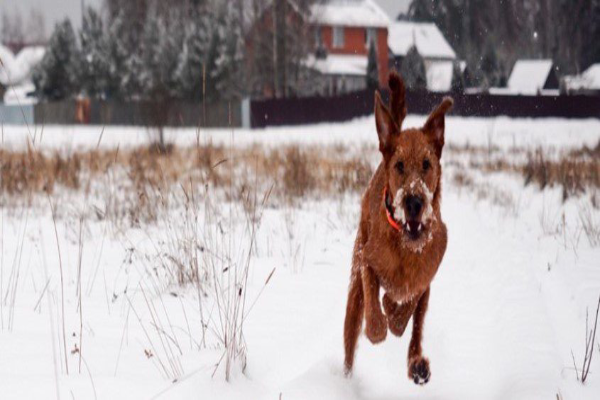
{"points": [[53, 10], [393, 7]]}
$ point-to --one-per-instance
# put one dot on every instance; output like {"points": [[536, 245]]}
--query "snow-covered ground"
{"points": [[507, 312]]}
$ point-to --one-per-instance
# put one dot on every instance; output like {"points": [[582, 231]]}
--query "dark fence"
{"points": [[142, 113], [175, 114], [309, 110]]}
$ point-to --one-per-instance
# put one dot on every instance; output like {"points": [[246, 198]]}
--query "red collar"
{"points": [[389, 211]]}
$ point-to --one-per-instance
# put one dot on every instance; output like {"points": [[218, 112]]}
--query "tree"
{"points": [[95, 61], [190, 73], [458, 80], [413, 70], [229, 65], [372, 69], [118, 72], [57, 75], [490, 67]]}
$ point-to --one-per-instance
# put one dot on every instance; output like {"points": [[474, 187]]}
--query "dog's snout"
{"points": [[413, 205]]}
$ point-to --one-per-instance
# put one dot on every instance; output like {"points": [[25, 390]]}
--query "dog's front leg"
{"points": [[418, 366], [398, 315], [376, 329]]}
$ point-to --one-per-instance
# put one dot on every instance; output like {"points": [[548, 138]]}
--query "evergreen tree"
{"points": [[458, 80], [57, 75], [229, 65], [413, 70], [118, 73], [95, 63], [372, 69], [190, 69], [490, 67]]}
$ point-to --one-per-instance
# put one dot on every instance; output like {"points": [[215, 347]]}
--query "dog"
{"points": [[401, 238]]}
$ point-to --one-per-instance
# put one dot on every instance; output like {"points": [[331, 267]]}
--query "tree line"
{"points": [[492, 35]]}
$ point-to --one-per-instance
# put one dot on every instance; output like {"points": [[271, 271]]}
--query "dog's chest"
{"points": [[403, 273]]}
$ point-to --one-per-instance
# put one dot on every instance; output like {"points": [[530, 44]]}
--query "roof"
{"points": [[439, 76], [425, 36], [339, 64], [363, 13], [589, 79], [16, 69], [529, 76]]}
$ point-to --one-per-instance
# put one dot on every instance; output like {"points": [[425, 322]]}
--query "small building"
{"points": [[344, 30], [426, 37], [587, 82], [532, 77], [16, 71]]}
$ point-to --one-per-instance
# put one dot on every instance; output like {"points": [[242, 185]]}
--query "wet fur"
{"points": [[382, 257]]}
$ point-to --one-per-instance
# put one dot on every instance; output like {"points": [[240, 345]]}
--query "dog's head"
{"points": [[412, 163]]}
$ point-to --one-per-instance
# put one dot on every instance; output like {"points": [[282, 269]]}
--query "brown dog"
{"points": [[401, 238]]}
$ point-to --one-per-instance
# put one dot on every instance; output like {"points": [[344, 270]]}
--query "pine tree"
{"points": [[413, 70], [190, 71], [57, 75], [229, 65], [372, 69], [117, 74], [94, 61], [458, 80], [490, 67]]}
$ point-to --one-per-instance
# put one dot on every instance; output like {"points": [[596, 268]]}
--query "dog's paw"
{"points": [[376, 329], [418, 370]]}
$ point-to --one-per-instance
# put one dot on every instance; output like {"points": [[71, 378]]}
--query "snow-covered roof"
{"points": [[18, 95], [425, 36], [529, 76], [589, 79], [339, 64], [439, 76], [363, 13], [17, 69]]}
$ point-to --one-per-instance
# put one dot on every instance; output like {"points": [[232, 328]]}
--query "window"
{"points": [[338, 36], [370, 36], [318, 37]]}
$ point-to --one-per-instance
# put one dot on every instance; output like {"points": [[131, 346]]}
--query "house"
{"points": [[586, 83], [344, 30], [426, 37], [532, 77], [16, 71]]}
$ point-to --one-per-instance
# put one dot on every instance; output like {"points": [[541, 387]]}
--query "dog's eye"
{"points": [[400, 167], [426, 165]]}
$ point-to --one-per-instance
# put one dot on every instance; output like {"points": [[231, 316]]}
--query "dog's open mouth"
{"points": [[414, 229]]}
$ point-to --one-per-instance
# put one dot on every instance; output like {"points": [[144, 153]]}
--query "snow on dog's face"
{"points": [[412, 164]]}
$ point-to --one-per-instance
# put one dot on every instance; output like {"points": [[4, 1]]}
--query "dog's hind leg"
{"points": [[354, 319], [398, 315], [418, 366]]}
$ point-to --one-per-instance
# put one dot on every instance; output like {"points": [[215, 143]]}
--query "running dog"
{"points": [[401, 238]]}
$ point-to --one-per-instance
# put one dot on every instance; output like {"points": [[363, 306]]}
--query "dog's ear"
{"points": [[435, 125], [397, 98], [386, 127]]}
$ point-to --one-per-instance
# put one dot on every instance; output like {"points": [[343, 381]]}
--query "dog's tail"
{"points": [[397, 98], [354, 309]]}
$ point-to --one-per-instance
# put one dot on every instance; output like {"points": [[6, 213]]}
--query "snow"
{"points": [[18, 69], [339, 64], [428, 39], [506, 309], [439, 76], [18, 95], [361, 13], [529, 76], [589, 79]]}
